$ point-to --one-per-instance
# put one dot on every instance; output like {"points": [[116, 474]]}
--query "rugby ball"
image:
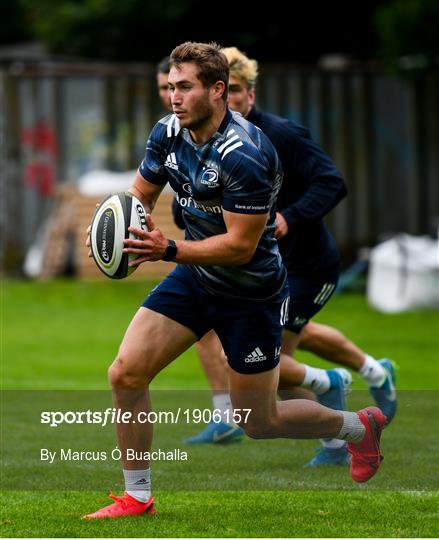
{"points": [[109, 228]]}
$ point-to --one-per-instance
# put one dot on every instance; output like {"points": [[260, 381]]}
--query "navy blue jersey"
{"points": [[236, 169], [312, 186]]}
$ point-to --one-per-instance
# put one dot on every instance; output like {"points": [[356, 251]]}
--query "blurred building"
{"points": [[61, 119]]}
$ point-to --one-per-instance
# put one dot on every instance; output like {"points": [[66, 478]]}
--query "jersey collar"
{"points": [[226, 121]]}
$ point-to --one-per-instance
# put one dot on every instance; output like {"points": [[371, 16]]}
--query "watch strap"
{"points": [[170, 251]]}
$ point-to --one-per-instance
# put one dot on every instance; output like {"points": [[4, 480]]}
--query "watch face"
{"points": [[170, 251]]}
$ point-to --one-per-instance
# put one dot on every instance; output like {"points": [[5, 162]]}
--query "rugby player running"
{"points": [[229, 277]]}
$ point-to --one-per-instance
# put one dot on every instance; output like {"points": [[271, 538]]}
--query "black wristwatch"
{"points": [[170, 251]]}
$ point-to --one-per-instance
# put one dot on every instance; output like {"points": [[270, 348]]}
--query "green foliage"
{"points": [[146, 30], [107, 29], [13, 24], [408, 30]]}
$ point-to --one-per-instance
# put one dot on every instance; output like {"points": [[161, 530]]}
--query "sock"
{"points": [[352, 429], [332, 443], [223, 403], [316, 380], [138, 484], [372, 372]]}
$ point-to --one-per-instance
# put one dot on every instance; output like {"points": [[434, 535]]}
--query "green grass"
{"points": [[58, 339], [230, 514]]}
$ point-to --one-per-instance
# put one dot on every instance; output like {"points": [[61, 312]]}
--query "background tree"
{"points": [[13, 24], [408, 33], [145, 30]]}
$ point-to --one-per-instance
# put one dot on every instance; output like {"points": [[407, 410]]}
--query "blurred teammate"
{"points": [[311, 188], [162, 83], [229, 277]]}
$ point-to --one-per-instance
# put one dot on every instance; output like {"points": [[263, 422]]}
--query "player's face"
{"points": [[240, 98], [162, 87], [191, 101]]}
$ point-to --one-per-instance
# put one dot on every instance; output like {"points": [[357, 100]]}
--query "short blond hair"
{"points": [[241, 66]]}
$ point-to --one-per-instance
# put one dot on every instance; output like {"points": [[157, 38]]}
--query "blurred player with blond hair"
{"points": [[312, 186]]}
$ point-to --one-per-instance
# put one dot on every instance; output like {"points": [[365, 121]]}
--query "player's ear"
{"points": [[218, 89], [252, 95]]}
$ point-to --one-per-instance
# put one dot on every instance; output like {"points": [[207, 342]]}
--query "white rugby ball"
{"points": [[109, 228]]}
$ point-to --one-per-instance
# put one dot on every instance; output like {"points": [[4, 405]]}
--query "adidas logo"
{"points": [[256, 356], [324, 294], [171, 161], [140, 482], [300, 321]]}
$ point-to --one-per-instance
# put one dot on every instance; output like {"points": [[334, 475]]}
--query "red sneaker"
{"points": [[123, 506], [366, 456]]}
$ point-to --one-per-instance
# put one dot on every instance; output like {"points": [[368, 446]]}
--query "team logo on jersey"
{"points": [[210, 178], [188, 188], [171, 161]]}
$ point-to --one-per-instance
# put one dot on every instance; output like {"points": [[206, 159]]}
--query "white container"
{"points": [[404, 274]]}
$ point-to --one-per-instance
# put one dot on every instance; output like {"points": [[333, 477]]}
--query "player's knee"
{"points": [[258, 429], [308, 336], [121, 376]]}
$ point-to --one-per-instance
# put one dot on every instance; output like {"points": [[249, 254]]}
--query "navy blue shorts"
{"points": [[250, 331], [308, 295]]}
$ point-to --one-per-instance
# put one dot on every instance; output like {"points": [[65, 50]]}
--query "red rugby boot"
{"points": [[366, 456], [123, 506]]}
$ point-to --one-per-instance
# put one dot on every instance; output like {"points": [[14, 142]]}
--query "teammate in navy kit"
{"points": [[229, 276], [162, 73], [311, 188]]}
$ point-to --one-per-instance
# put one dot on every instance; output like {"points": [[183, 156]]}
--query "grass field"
{"points": [[57, 341]]}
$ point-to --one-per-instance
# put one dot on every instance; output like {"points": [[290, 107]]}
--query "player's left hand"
{"points": [[149, 246], [281, 226]]}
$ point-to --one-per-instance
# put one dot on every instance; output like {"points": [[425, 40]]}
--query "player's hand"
{"points": [[281, 226], [150, 245], [87, 241]]}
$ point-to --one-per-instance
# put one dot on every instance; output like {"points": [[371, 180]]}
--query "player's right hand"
{"points": [[87, 241], [281, 226]]}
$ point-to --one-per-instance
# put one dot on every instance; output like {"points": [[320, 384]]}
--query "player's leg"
{"points": [[270, 418], [252, 342], [254, 382], [330, 385], [303, 419], [151, 342], [169, 322], [308, 295], [214, 363], [332, 345]]}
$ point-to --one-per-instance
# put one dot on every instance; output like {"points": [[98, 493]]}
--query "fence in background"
{"points": [[59, 121]]}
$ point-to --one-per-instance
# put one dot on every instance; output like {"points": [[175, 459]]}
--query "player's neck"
{"points": [[249, 110], [204, 131]]}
